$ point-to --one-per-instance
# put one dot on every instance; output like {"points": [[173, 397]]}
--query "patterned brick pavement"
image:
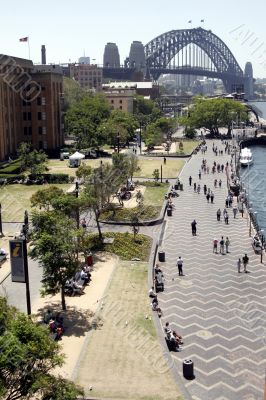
{"points": [[219, 312]]}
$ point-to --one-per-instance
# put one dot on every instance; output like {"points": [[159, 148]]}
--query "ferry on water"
{"points": [[246, 157]]}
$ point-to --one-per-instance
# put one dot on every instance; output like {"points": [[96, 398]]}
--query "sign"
{"points": [[17, 252]]}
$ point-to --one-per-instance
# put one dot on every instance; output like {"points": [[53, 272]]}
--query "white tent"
{"points": [[77, 156], [75, 159]]}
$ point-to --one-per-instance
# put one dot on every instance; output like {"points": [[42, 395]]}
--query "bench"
{"points": [[2, 258]]}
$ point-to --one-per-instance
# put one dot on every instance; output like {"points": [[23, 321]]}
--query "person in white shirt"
{"points": [[180, 266]]}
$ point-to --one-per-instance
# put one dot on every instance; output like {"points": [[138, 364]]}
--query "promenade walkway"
{"points": [[219, 312]]}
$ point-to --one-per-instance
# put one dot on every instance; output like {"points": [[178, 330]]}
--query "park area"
{"points": [[15, 199], [123, 358], [147, 165]]}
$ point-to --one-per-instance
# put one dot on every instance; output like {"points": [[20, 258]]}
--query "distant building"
{"points": [[147, 89], [84, 60], [111, 57], [89, 76], [121, 98], [248, 73], [31, 106], [137, 56]]}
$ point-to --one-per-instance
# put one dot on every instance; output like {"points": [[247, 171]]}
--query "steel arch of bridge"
{"points": [[160, 51]]}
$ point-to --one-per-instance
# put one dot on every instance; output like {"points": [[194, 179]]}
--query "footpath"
{"points": [[219, 312]]}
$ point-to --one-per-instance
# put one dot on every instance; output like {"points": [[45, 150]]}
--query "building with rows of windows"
{"points": [[30, 105]]}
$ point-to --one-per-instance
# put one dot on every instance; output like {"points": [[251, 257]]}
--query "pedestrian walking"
{"points": [[205, 189], [208, 197], [218, 214], [226, 202], [212, 197], [215, 246], [238, 265], [235, 211], [194, 227], [190, 180], [195, 187], [226, 218], [180, 266], [208, 169], [220, 183], [198, 189], [222, 245], [227, 243], [199, 174], [215, 183], [245, 260]]}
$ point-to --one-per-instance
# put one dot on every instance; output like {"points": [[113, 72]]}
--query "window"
{"points": [[121, 108], [40, 130], [44, 130], [43, 101], [120, 101], [25, 116], [39, 116], [112, 101], [39, 101], [43, 116], [30, 130], [25, 130], [45, 144], [29, 116]]}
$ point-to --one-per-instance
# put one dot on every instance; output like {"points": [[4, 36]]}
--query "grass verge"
{"points": [[123, 245], [170, 170], [123, 358]]}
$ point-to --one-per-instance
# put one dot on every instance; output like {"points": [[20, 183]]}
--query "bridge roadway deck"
{"points": [[219, 312]]}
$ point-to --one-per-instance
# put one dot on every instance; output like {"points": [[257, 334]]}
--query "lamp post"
{"points": [[1, 226], [118, 142], [140, 138], [250, 211], [262, 244], [77, 195]]}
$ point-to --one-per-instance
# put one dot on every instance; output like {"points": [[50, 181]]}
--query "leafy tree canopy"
{"points": [[27, 358]]}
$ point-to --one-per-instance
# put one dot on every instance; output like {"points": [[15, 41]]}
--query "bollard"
{"points": [[161, 256], [169, 212], [188, 369]]}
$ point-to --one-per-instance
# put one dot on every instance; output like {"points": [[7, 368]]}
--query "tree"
{"points": [[213, 114], [135, 225], [156, 175], [83, 118], [43, 198], [28, 357], [32, 160], [132, 161], [56, 247], [73, 92], [153, 136]]}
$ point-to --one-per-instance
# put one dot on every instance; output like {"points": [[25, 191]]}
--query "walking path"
{"points": [[219, 312]]}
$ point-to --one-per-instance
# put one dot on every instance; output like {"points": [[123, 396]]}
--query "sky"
{"points": [[70, 28]]}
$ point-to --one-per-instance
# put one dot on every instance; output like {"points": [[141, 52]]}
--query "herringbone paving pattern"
{"points": [[220, 313]]}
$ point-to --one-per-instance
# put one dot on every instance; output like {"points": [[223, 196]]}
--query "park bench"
{"points": [[2, 258]]}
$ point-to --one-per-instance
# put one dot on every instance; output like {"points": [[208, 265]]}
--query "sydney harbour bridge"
{"points": [[197, 52]]}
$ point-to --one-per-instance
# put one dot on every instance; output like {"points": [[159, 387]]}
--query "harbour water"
{"points": [[261, 105], [254, 178]]}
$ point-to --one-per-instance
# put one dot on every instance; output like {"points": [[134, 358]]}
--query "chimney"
{"points": [[43, 55]]}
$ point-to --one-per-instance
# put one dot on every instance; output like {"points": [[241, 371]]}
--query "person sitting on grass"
{"points": [[155, 307], [152, 294]]}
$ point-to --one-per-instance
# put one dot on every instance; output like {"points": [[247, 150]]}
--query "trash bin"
{"points": [[181, 186], [188, 369], [176, 186], [89, 260], [161, 256], [169, 212]]}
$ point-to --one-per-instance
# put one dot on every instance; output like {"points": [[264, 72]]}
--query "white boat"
{"points": [[246, 157]]}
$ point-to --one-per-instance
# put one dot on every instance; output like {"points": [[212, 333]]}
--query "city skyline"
{"points": [[68, 32]]}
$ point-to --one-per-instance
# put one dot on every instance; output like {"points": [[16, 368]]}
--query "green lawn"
{"points": [[123, 358], [61, 167], [153, 201], [170, 170], [15, 199], [188, 146]]}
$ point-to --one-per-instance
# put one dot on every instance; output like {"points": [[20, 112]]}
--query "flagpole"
{"points": [[29, 46]]}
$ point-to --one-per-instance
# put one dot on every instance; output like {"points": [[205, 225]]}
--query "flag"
{"points": [[24, 39], [202, 20], [190, 22]]}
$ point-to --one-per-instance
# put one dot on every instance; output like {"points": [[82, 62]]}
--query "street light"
{"points": [[118, 142], [262, 244], [1, 227]]}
